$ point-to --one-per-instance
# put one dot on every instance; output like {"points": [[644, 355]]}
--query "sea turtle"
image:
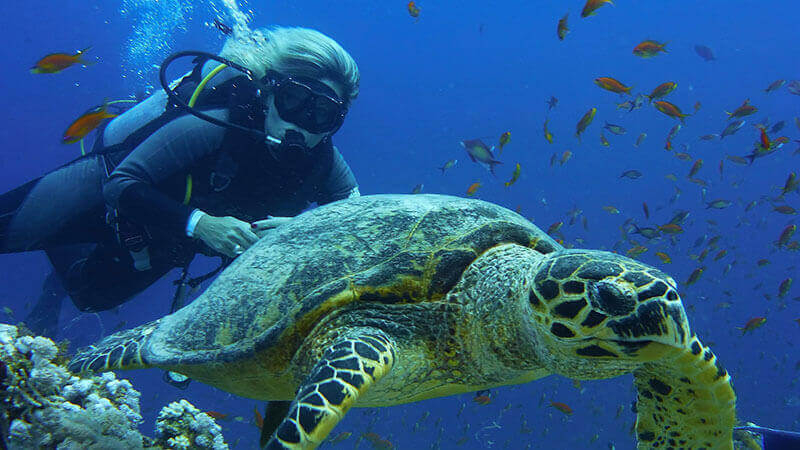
{"points": [[389, 299]]}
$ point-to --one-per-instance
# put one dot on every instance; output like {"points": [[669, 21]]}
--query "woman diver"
{"points": [[172, 177]]}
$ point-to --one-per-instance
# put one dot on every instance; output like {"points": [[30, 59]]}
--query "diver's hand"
{"points": [[227, 235], [262, 226]]}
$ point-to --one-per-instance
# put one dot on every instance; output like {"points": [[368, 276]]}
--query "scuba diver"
{"points": [[231, 149]]}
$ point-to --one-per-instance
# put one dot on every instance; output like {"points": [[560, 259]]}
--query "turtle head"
{"points": [[597, 314]]}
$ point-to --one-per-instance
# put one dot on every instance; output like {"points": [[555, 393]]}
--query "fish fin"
{"points": [[84, 50]]}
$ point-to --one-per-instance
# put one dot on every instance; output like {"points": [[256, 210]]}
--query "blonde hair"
{"points": [[297, 51]]}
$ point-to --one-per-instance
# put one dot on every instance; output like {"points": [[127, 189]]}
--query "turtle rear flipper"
{"points": [[121, 350], [346, 370], [685, 401]]}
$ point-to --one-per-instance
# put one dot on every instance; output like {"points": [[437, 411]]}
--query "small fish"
{"points": [[649, 48], [784, 287], [777, 127], [8, 311], [671, 228], [671, 177], [697, 106], [480, 153], [514, 176], [732, 128], [615, 129], [785, 209], [704, 52], [632, 174], [563, 407], [547, 135], [592, 5], [566, 156], [448, 165], [662, 90], [665, 258], [341, 437], [505, 138], [762, 262], [736, 160], [636, 251], [640, 139], [552, 103], [786, 235], [775, 85], [413, 9], [674, 131], [555, 227], [562, 29], [646, 210], [695, 275], [718, 204], [56, 62], [745, 109], [670, 110], [720, 254], [698, 164], [217, 415], [418, 189], [603, 141], [482, 399], [258, 419], [223, 28], [753, 324], [84, 124], [610, 210], [586, 120], [612, 85], [794, 87], [473, 188], [709, 137]]}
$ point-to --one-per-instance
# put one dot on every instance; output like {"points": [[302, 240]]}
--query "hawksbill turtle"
{"points": [[388, 299]]}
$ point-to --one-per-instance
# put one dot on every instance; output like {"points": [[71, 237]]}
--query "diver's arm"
{"points": [[173, 149], [340, 183]]}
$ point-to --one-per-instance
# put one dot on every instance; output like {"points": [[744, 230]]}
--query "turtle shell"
{"points": [[377, 248]]}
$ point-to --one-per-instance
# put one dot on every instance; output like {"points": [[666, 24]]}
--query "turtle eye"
{"points": [[610, 298]]}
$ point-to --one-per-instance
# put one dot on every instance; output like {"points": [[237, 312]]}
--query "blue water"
{"points": [[464, 70]]}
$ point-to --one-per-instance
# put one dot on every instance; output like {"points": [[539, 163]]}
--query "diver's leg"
{"points": [[43, 318], [348, 368]]}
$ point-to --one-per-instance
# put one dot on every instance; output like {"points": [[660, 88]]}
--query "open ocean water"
{"points": [[476, 69]]}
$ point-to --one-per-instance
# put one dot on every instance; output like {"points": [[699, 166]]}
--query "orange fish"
{"points": [[744, 110], [84, 124], [670, 109], [698, 164], [664, 257], [562, 29], [752, 324], [764, 139], [671, 228], [563, 407], [473, 188], [258, 418], [649, 48], [216, 415], [613, 85], [662, 90], [482, 399], [56, 62], [413, 9], [592, 5]]}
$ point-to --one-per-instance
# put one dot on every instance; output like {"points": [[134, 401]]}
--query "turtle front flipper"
{"points": [[685, 401], [121, 350], [346, 370]]}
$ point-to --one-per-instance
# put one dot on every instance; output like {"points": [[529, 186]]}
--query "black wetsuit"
{"points": [[66, 212]]}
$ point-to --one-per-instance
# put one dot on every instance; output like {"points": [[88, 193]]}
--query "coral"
{"points": [[43, 405], [180, 425]]}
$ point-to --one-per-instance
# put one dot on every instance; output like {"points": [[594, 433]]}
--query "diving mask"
{"points": [[307, 103]]}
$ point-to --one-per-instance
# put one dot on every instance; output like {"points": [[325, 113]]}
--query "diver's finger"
{"points": [[247, 237], [270, 222]]}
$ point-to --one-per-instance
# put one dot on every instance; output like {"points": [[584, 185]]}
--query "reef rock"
{"points": [[43, 405]]}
